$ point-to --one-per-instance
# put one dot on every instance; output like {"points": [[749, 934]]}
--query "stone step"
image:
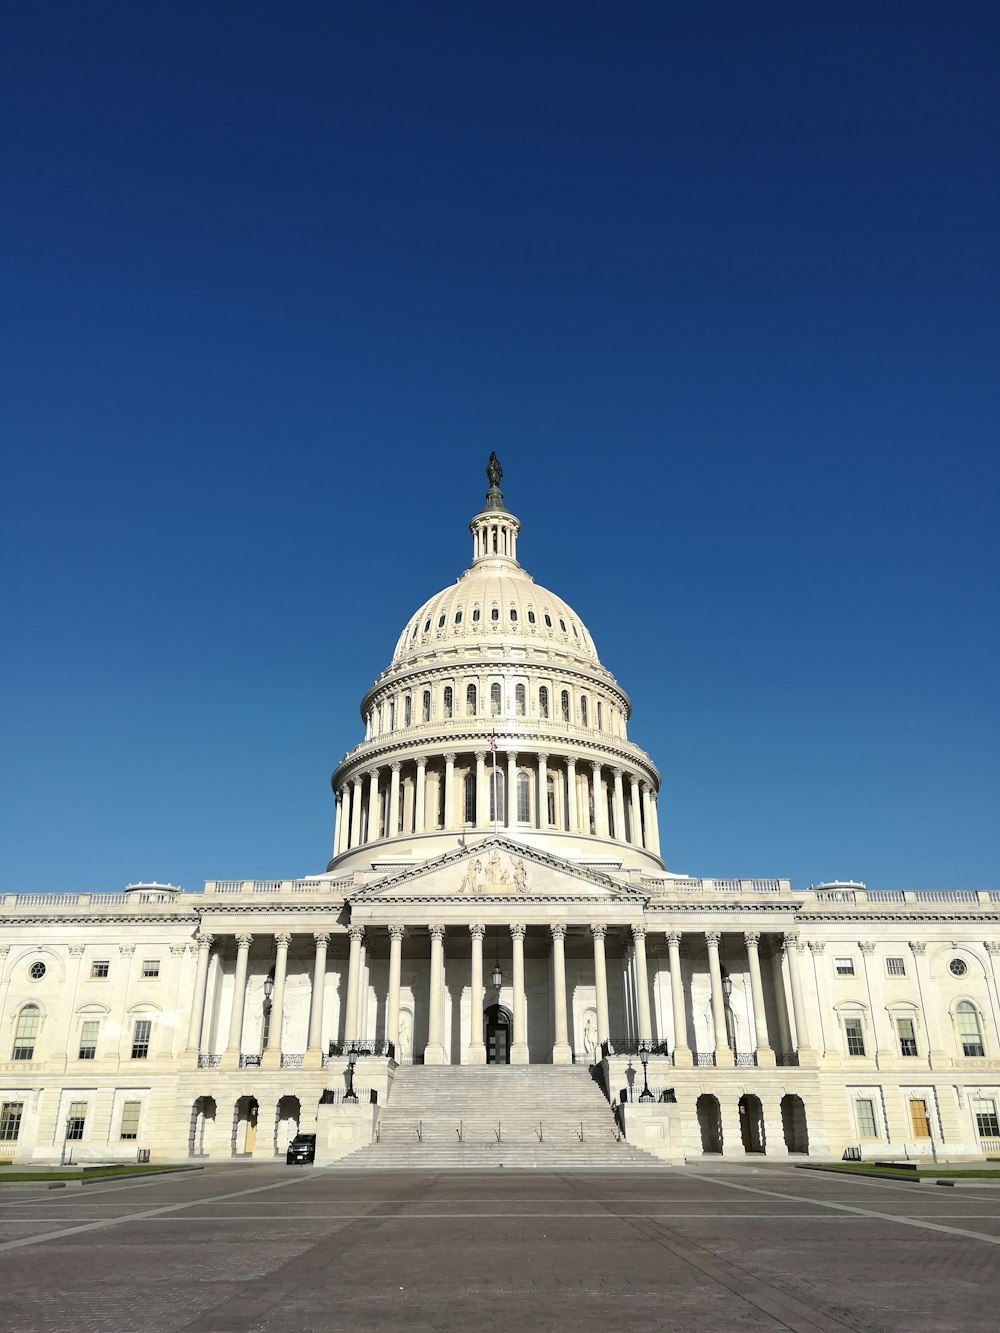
{"points": [[484, 1157]]}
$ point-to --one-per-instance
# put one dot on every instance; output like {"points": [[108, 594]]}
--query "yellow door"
{"points": [[918, 1117], [251, 1128]]}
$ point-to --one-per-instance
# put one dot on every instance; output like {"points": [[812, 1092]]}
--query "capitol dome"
{"points": [[495, 664]]}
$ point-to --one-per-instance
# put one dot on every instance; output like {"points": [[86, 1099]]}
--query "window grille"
{"points": [[449, 701], [130, 1120], [140, 1038], [523, 798], [520, 700], [583, 710], [150, 968], [76, 1118], [865, 1109], [26, 1032], [498, 795], [425, 706], [88, 1039], [543, 701], [470, 798], [564, 705], [470, 701], [10, 1121], [495, 697], [984, 1108], [407, 711], [907, 1036], [895, 967], [969, 1030], [854, 1032]]}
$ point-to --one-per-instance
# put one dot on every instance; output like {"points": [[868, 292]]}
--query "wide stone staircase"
{"points": [[453, 1116]]}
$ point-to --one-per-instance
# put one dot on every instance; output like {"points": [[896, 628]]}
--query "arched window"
{"points": [[551, 801], [425, 706], [495, 699], [548, 621], [470, 798], [392, 716], [427, 625], [583, 710], [441, 620], [458, 616], [969, 1031], [407, 711], [495, 613], [519, 700], [564, 705], [470, 701], [513, 615], [600, 716], [523, 798], [498, 795], [475, 615], [543, 701], [381, 719], [562, 624], [449, 701], [26, 1032], [531, 617]]}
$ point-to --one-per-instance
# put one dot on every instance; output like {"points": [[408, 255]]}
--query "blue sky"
{"points": [[719, 284]]}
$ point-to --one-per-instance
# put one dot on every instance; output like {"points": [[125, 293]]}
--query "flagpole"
{"points": [[496, 794]]}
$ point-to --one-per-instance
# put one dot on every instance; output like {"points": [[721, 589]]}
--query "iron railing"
{"points": [[209, 1061], [343, 1049], [635, 1046]]}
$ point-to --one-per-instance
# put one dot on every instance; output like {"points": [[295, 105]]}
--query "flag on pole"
{"points": [[493, 741]]}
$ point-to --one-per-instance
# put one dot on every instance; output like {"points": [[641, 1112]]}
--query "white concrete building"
{"points": [[498, 895]]}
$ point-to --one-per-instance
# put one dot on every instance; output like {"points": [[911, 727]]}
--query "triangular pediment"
{"points": [[498, 868]]}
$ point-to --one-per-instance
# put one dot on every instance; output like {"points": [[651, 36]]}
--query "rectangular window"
{"points": [[75, 1120], [918, 1117], [865, 1109], [907, 1036], [895, 967], [140, 1038], [985, 1110], [151, 967], [855, 1034], [844, 966], [130, 1120], [10, 1121], [100, 968], [88, 1039]]}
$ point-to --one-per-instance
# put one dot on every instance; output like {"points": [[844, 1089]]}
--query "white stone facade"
{"points": [[497, 819]]}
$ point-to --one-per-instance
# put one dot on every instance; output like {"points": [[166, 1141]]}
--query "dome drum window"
{"points": [[449, 701], [470, 701]]}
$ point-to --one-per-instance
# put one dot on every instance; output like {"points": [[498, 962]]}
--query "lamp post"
{"points": [[268, 995], [350, 1095], [645, 1095]]}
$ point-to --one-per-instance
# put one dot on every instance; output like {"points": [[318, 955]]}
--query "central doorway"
{"points": [[497, 1025]]}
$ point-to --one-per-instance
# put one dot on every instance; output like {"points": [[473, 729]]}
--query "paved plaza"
{"points": [[264, 1248]]}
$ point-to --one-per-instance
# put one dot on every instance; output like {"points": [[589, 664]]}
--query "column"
{"points": [[271, 1059], [394, 768], [511, 789], [355, 934], [562, 1052], [362, 1000], [635, 811], [723, 1051], [642, 984], [601, 985], [204, 942], [793, 949], [682, 1051], [475, 1052], [420, 818], [765, 1055], [338, 822], [618, 800], [647, 814], [434, 1050], [543, 791], [396, 934], [231, 1059], [600, 803], [449, 792], [655, 847], [314, 1050], [482, 792], [519, 1045], [356, 810], [373, 830], [572, 800]]}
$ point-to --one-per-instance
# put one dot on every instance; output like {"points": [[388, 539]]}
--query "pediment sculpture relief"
{"points": [[499, 873]]}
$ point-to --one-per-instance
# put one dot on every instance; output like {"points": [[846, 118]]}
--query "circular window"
{"points": [[36, 971], [958, 967]]}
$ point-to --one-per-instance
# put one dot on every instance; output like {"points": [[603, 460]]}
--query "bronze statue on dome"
{"points": [[494, 496]]}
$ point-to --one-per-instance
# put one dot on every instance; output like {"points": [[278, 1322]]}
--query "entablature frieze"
{"points": [[435, 741]]}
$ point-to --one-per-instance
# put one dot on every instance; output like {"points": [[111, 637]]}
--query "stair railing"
{"points": [[541, 1137], [580, 1131], [497, 1131], [460, 1139], [420, 1131]]}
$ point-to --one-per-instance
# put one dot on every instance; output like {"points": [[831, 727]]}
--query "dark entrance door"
{"points": [[497, 1025]]}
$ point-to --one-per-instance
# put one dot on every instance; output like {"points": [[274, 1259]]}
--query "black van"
{"points": [[302, 1149]]}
